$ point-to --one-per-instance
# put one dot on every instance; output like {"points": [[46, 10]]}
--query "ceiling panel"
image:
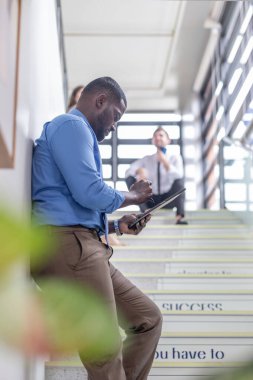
{"points": [[153, 48], [120, 16], [136, 62]]}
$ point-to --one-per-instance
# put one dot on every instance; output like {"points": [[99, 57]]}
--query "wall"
{"points": [[40, 97]]}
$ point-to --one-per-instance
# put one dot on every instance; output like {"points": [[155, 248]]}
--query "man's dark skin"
{"points": [[103, 111]]}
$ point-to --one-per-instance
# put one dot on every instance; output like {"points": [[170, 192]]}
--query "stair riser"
{"points": [[185, 268], [183, 255], [181, 240], [165, 230], [189, 284], [208, 304], [155, 373], [201, 356]]}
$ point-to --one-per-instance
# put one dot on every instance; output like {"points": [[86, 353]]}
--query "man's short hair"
{"points": [[161, 129], [107, 84]]}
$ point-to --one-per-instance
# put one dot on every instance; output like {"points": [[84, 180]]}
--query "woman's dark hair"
{"points": [[72, 100]]}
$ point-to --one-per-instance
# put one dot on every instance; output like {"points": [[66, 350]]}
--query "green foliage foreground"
{"points": [[60, 316]]}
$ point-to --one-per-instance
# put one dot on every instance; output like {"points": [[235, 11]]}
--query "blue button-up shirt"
{"points": [[67, 183]]}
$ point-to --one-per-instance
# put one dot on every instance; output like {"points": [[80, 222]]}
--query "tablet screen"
{"points": [[158, 206]]}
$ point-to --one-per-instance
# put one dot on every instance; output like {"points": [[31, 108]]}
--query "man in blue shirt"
{"points": [[72, 200]]}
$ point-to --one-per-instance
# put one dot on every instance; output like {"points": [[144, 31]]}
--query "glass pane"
{"points": [[135, 151], [105, 151], [146, 131], [172, 130], [189, 151], [235, 192], [136, 131], [109, 136], [234, 152], [122, 168], [235, 171], [236, 206], [121, 186], [188, 132], [190, 171], [139, 151], [190, 190], [251, 192], [151, 117], [107, 171], [109, 183]]}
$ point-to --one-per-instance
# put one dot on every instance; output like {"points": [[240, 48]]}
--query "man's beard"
{"points": [[101, 122]]}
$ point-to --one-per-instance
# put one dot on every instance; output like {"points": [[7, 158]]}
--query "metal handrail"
{"points": [[239, 142]]}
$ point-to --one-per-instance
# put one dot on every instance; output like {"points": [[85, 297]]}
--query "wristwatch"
{"points": [[116, 227]]}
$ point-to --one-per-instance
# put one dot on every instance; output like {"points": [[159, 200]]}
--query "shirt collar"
{"points": [[164, 150], [76, 112]]}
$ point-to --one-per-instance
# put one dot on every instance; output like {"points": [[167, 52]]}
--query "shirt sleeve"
{"points": [[176, 166], [72, 147], [134, 166]]}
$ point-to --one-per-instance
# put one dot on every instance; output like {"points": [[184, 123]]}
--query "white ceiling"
{"points": [[153, 48]]}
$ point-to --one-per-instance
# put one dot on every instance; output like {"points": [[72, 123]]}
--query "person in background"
{"points": [[164, 170], [71, 200], [74, 97]]}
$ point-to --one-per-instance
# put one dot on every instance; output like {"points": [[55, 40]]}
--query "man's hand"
{"points": [[141, 190], [126, 220]]}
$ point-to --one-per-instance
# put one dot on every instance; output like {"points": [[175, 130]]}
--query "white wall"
{"points": [[40, 97]]}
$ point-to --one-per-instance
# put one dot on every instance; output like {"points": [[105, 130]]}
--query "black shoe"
{"points": [[182, 222]]}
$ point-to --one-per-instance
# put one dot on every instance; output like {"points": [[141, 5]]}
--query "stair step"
{"points": [[193, 236], [204, 304], [194, 277], [174, 355], [156, 373], [167, 213], [200, 275], [196, 247], [194, 284], [181, 268], [207, 325], [181, 254], [189, 228], [201, 259]]}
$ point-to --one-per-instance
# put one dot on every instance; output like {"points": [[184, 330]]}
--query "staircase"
{"points": [[201, 277]]}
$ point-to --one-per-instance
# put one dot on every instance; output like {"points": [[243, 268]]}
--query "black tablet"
{"points": [[157, 207]]}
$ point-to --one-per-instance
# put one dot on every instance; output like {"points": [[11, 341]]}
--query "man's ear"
{"points": [[101, 100]]}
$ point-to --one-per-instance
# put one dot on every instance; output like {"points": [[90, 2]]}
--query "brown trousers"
{"points": [[83, 257]]}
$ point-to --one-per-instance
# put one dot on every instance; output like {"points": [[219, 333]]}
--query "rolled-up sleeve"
{"points": [[72, 147]]}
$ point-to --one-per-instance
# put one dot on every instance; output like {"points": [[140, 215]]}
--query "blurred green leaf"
{"points": [[13, 305], [63, 317], [78, 319], [20, 241], [245, 372]]}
